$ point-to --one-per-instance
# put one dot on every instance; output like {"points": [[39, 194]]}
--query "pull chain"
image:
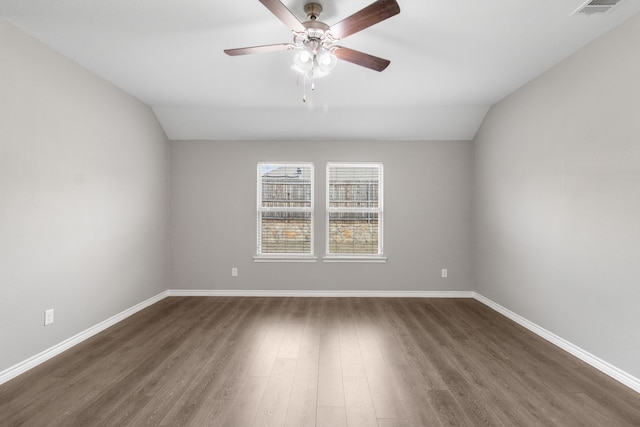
{"points": [[305, 82], [304, 88]]}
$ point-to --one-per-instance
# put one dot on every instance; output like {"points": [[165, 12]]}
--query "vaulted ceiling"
{"points": [[450, 61]]}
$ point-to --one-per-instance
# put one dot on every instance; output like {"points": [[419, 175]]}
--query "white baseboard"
{"points": [[605, 367], [39, 358], [332, 294]]}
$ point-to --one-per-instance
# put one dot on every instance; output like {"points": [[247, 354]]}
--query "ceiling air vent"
{"points": [[596, 6]]}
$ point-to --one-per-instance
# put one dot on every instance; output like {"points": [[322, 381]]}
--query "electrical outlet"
{"points": [[444, 273], [48, 317], [234, 271]]}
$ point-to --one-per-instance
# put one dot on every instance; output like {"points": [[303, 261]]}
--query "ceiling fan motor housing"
{"points": [[316, 29], [313, 10]]}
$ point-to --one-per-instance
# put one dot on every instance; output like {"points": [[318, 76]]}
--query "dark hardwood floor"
{"points": [[201, 361]]}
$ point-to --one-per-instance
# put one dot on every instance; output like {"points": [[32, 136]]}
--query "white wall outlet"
{"points": [[48, 317], [444, 273], [234, 271]]}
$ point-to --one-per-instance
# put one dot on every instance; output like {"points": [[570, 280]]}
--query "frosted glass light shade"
{"points": [[303, 60], [326, 61], [313, 64]]}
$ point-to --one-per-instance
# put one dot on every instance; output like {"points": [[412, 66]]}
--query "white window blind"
{"points": [[285, 209], [354, 209]]}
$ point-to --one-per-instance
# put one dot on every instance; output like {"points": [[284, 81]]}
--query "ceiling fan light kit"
{"points": [[315, 42]]}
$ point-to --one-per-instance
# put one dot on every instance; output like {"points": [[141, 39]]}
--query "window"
{"points": [[354, 211], [285, 210]]}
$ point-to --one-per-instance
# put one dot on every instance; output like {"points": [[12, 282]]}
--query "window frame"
{"points": [[347, 257], [288, 256]]}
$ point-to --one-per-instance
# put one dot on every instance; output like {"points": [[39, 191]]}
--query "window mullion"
{"points": [[333, 209], [284, 209]]}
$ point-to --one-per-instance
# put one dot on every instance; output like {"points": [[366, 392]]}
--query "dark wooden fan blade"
{"points": [[282, 13], [361, 58], [374, 13], [259, 49]]}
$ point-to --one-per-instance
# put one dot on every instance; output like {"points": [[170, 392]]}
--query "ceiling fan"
{"points": [[315, 41]]}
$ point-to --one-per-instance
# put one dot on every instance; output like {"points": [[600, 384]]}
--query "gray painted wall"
{"points": [[83, 182], [427, 216], [83, 204], [557, 189]]}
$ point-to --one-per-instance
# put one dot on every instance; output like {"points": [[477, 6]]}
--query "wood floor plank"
{"points": [[155, 394], [380, 328], [301, 410], [350, 357], [425, 359], [275, 399], [112, 399], [530, 349], [330, 386], [383, 393], [208, 415], [209, 366], [414, 394], [468, 392], [292, 336], [611, 396], [513, 387], [267, 354], [89, 374], [331, 416], [468, 362], [358, 402], [597, 412], [251, 338], [242, 411], [393, 422], [178, 392], [218, 361], [315, 321], [446, 408]]}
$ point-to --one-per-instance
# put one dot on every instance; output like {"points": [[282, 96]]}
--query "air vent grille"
{"points": [[603, 2], [596, 6]]}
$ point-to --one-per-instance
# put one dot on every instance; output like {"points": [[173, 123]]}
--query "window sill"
{"points": [[355, 258], [285, 258]]}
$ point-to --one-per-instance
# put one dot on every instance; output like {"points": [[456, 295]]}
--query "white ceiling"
{"points": [[450, 61]]}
